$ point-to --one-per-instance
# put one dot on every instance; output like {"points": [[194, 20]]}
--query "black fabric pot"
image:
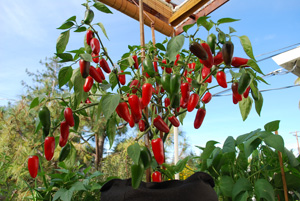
{"points": [[198, 187]]}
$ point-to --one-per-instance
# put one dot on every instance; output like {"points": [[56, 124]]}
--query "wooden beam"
{"points": [[205, 11], [132, 11], [186, 10], [160, 7]]}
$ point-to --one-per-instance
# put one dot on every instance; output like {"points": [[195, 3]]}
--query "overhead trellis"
{"points": [[167, 17]]}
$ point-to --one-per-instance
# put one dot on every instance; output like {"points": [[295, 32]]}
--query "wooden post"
{"points": [[282, 174]]}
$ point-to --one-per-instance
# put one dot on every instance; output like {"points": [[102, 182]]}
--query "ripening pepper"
{"points": [[207, 97], [49, 147], [193, 102], [136, 110], [156, 176], [199, 118], [209, 61], [104, 65], [159, 123], [221, 79], [198, 51], [227, 52], [146, 93], [174, 121], [158, 150], [33, 165]]}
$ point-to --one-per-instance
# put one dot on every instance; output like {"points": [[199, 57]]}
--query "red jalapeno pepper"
{"points": [[234, 88], [142, 126], [156, 176], [158, 150], [146, 93], [136, 110], [238, 61], [199, 118], [210, 60], [221, 79], [136, 61], [89, 36], [122, 78], [193, 101], [95, 75], [185, 91], [159, 123], [205, 72], [49, 147], [33, 166], [64, 133], [123, 111], [104, 65], [207, 97], [95, 45], [68, 114], [134, 85], [100, 73], [174, 121], [218, 58], [88, 84]]}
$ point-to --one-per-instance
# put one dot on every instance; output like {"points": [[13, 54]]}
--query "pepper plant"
{"points": [[155, 92]]}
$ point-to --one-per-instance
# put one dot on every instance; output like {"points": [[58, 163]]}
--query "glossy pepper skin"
{"points": [[136, 62], [68, 114], [33, 166], [227, 52], [205, 72], [146, 93], [145, 157], [158, 150], [122, 78], [88, 84], [221, 79], [95, 57], [218, 59], [234, 100], [84, 68], [136, 110], [156, 176], [238, 61], [95, 45], [64, 133], [182, 103], [148, 66], [198, 51], [89, 35], [45, 119], [234, 88], [175, 82], [123, 111], [159, 123], [185, 91], [246, 93], [142, 125], [177, 59], [135, 85], [207, 97], [199, 118], [244, 82], [89, 16], [175, 100], [174, 121], [100, 73], [131, 122], [104, 65], [193, 101], [155, 66], [95, 75], [64, 152], [167, 102], [211, 41], [49, 147], [166, 81], [209, 61]]}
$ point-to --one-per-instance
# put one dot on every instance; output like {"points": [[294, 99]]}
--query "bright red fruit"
{"points": [[167, 102], [122, 78], [88, 84], [33, 165], [156, 176], [84, 68], [95, 75], [234, 100], [142, 126], [64, 133], [182, 103], [234, 88], [49, 147], [68, 114], [221, 79], [96, 57], [131, 122], [218, 58], [135, 85], [185, 91], [207, 97], [155, 66], [123, 111], [174, 121], [210, 60], [238, 61], [199, 118], [177, 58], [205, 73], [104, 65], [100, 73], [95, 45], [193, 101], [146, 93], [136, 62], [189, 79], [158, 150], [89, 36], [246, 93], [88, 101], [136, 110], [159, 123]]}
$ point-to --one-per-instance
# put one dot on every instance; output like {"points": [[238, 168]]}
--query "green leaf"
{"points": [[245, 107], [76, 122], [229, 145], [210, 146], [65, 57], [59, 193], [263, 189], [187, 27], [174, 46], [272, 126], [80, 29], [62, 41], [35, 102], [275, 141], [242, 196], [226, 20], [226, 185], [67, 196], [242, 185], [292, 159], [73, 18], [109, 104], [259, 103], [254, 66], [111, 130], [134, 152], [101, 7], [180, 165], [203, 21], [71, 158], [247, 46], [235, 75], [231, 30], [103, 29], [66, 25], [182, 116], [250, 145], [64, 75], [160, 46], [78, 186], [78, 81], [113, 80], [86, 57]]}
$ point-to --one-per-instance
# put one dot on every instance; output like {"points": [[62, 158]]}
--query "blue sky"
{"points": [[29, 34]]}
